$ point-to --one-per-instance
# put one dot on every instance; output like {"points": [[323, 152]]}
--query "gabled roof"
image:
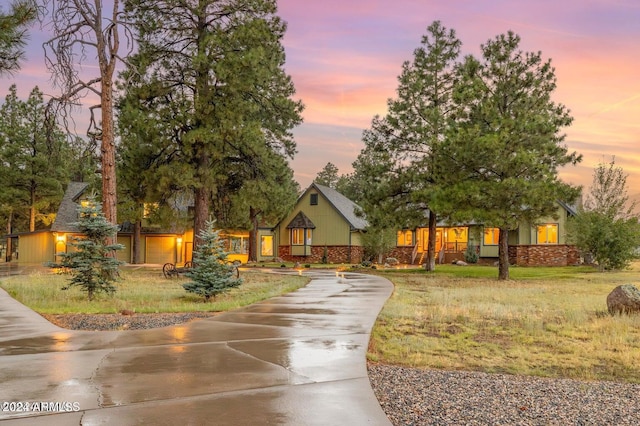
{"points": [[572, 210], [301, 221], [343, 205], [68, 210]]}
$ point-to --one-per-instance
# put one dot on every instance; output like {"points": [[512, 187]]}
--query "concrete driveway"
{"points": [[292, 360]]}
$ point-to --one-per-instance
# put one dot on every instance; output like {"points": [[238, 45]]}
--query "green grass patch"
{"points": [[550, 322], [143, 290]]}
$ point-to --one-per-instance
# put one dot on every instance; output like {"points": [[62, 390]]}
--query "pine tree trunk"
{"points": [[137, 231], [106, 62], [32, 211], [253, 234], [108, 158], [503, 254], [9, 226], [201, 214], [430, 265]]}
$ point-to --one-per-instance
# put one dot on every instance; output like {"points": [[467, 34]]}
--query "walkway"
{"points": [[292, 360]]}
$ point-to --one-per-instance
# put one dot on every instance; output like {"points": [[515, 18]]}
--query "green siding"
{"points": [[528, 233], [331, 228], [125, 254], [274, 250]]}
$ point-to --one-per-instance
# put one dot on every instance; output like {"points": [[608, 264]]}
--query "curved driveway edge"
{"points": [[298, 359]]}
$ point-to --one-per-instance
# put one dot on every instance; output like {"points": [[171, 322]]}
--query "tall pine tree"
{"points": [[401, 148], [209, 77], [13, 33], [502, 158], [34, 160]]}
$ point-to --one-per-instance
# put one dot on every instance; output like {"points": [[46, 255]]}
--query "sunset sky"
{"points": [[344, 57]]}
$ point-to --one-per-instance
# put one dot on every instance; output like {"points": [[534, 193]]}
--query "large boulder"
{"points": [[624, 299]]}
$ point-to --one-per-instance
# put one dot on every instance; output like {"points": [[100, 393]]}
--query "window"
{"points": [[235, 244], [548, 233], [457, 235], [266, 245], [405, 238], [456, 239], [491, 236], [313, 199], [298, 236]]}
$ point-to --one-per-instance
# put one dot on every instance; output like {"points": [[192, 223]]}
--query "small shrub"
{"points": [[366, 263], [93, 265], [211, 274], [471, 254]]}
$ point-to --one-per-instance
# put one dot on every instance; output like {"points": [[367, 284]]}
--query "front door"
{"points": [[424, 239]]}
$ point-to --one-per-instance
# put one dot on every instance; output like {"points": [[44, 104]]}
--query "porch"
{"points": [[451, 243]]}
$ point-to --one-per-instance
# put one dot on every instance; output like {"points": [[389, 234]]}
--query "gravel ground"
{"points": [[102, 322], [426, 397], [411, 396]]}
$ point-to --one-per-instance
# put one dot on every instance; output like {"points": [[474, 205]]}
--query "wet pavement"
{"points": [[298, 359]]}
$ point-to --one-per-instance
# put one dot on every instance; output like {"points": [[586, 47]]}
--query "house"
{"points": [[157, 245], [322, 227], [543, 243]]}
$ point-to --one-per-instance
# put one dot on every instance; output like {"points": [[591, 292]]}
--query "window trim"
{"points": [[548, 226], [306, 234], [269, 245]]}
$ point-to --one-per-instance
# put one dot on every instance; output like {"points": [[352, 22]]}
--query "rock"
{"points": [[392, 261], [624, 299], [459, 263]]}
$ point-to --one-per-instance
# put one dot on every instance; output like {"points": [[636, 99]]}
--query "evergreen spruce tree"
{"points": [[211, 274], [93, 266]]}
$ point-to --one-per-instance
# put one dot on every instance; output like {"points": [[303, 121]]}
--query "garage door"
{"points": [[161, 250]]}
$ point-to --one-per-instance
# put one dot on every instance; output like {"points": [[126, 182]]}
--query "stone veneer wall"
{"points": [[522, 255], [403, 254], [544, 255], [335, 254]]}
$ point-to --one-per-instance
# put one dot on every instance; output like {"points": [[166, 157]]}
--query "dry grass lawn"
{"points": [[143, 290], [550, 322]]}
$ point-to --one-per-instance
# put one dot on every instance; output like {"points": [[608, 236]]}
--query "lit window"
{"points": [[548, 233], [266, 245], [491, 236], [457, 235], [298, 236], [405, 238]]}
